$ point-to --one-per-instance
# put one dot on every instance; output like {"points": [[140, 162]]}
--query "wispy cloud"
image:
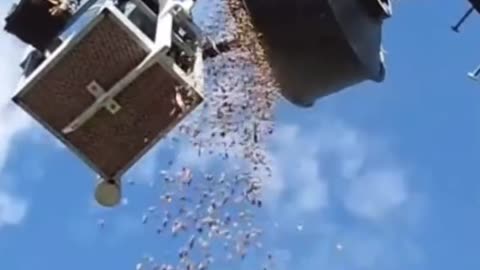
{"points": [[12, 120], [341, 164], [297, 179], [12, 209], [377, 192], [344, 187]]}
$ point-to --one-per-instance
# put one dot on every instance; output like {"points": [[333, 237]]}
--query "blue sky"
{"points": [[386, 171]]}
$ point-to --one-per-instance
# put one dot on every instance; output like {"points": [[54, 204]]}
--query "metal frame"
{"points": [[136, 34], [145, 9], [156, 55]]}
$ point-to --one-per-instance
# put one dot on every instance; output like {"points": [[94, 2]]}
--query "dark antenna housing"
{"points": [[317, 48]]}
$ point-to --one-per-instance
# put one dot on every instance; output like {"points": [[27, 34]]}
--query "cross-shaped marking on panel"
{"points": [[98, 92]]}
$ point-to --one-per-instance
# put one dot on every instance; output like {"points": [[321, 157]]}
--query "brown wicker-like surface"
{"points": [[109, 143]]}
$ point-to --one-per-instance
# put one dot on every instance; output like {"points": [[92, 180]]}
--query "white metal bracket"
{"points": [[107, 102], [97, 91]]}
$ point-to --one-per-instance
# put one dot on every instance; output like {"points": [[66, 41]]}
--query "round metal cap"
{"points": [[108, 193]]}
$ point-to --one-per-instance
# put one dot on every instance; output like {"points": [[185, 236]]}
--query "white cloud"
{"points": [[296, 171], [13, 121], [334, 162], [374, 194], [344, 186], [12, 209]]}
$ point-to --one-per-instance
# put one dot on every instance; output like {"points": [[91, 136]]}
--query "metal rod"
{"points": [[475, 74], [456, 27]]}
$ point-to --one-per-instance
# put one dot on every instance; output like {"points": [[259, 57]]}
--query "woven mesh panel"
{"points": [[109, 143]]}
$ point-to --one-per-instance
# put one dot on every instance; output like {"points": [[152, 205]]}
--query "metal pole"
{"points": [[475, 74], [456, 27]]}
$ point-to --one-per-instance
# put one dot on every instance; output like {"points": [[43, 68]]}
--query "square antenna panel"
{"points": [[86, 66]]}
